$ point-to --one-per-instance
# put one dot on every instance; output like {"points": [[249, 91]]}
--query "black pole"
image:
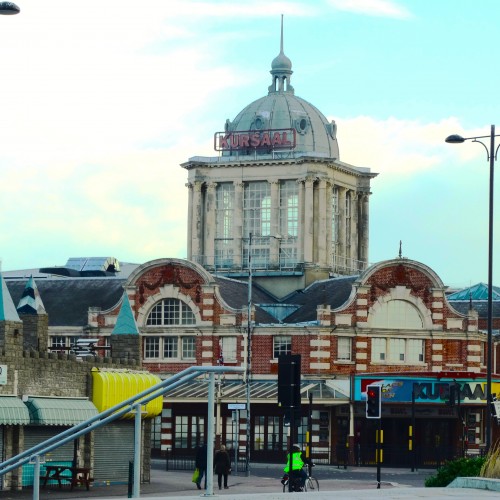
{"points": [[490, 292], [309, 432], [379, 450], [292, 426], [413, 440]]}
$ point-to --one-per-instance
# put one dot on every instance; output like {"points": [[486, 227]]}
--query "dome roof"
{"points": [[282, 109]]}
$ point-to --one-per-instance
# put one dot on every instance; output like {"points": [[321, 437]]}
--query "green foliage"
{"points": [[462, 467], [491, 466]]}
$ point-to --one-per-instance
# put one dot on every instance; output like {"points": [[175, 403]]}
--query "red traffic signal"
{"points": [[373, 401]]}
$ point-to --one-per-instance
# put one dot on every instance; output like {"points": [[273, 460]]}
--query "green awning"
{"points": [[60, 411], [13, 411]]}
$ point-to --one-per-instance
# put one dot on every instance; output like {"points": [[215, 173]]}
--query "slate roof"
{"points": [[235, 294], [67, 300], [481, 306], [333, 292]]}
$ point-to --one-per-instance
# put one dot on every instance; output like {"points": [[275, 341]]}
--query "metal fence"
{"points": [[182, 461]]}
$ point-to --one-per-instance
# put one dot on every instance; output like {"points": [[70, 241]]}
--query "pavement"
{"points": [[265, 486]]}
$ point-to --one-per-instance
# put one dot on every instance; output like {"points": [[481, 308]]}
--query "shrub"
{"points": [[491, 466], [462, 467]]}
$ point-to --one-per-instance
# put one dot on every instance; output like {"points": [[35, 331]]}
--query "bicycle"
{"points": [[311, 483]]}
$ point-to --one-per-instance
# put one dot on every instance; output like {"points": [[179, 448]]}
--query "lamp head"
{"points": [[455, 139], [9, 8]]}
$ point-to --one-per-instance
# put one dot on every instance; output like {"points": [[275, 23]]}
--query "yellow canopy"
{"points": [[111, 387]]}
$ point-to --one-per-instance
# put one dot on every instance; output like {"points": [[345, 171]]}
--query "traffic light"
{"points": [[373, 402]]}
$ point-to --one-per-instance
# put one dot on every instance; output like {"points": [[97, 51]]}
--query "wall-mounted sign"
{"points": [[255, 139], [3, 374], [426, 390], [236, 406]]}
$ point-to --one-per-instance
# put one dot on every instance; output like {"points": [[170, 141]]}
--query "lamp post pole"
{"points": [[492, 156], [248, 372]]}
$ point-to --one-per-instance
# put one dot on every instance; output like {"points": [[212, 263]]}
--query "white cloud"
{"points": [[379, 8], [399, 147]]}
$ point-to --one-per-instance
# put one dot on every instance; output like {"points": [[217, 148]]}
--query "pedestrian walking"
{"points": [[222, 465], [201, 464]]}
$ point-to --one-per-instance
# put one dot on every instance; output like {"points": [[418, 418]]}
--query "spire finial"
{"points": [[400, 249], [281, 44]]}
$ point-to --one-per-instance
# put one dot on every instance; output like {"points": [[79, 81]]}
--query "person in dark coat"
{"points": [[201, 464], [222, 465]]}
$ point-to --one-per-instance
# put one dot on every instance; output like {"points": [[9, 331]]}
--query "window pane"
{"points": [[188, 347], [170, 312], [151, 347], [378, 349], [170, 347], [344, 348], [282, 345], [228, 348]]}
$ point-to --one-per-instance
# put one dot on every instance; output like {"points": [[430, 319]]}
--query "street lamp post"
{"points": [[491, 156], [9, 8]]}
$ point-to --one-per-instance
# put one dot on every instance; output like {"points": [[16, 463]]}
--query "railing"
{"points": [[132, 404], [181, 461]]}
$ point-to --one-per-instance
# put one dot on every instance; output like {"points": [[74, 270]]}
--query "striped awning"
{"points": [[13, 411], [60, 411]]}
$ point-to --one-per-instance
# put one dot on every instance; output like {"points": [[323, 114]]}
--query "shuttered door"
{"points": [[36, 434], [113, 450]]}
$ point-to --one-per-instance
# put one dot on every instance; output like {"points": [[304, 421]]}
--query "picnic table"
{"points": [[77, 475]]}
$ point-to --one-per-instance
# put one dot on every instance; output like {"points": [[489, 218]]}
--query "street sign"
{"points": [[236, 406]]}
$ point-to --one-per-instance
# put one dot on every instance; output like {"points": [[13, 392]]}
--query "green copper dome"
{"points": [[282, 109]]}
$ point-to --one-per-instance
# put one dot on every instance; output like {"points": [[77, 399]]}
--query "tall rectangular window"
{"points": [[348, 219], [151, 347], [415, 350], [170, 347], [378, 349], [282, 344], [228, 348], [397, 350], [344, 349], [188, 347], [335, 214], [224, 224], [257, 221], [288, 223]]}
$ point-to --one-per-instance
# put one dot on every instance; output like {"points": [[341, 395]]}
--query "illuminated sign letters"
{"points": [[253, 139]]}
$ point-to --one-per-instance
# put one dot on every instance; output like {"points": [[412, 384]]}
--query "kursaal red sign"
{"points": [[255, 139]]}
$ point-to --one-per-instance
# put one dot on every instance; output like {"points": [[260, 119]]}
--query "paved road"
{"points": [[263, 484]]}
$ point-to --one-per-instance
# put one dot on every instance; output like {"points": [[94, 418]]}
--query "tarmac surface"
{"points": [[266, 486]]}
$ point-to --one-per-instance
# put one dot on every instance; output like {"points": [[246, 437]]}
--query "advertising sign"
{"points": [[427, 390], [255, 139]]}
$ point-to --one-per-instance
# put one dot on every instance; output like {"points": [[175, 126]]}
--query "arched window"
{"points": [[170, 312]]}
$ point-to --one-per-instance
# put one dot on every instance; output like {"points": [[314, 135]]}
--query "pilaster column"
{"points": [[300, 229], [189, 185], [197, 227], [238, 224], [274, 242], [364, 227], [322, 238], [341, 246], [308, 219], [355, 200], [210, 233]]}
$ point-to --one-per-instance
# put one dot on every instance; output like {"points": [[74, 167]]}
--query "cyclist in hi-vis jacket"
{"points": [[298, 463]]}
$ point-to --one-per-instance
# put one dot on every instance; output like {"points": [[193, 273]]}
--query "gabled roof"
{"points": [[7, 308]]}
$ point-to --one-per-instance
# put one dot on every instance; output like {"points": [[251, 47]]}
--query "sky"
{"points": [[102, 102]]}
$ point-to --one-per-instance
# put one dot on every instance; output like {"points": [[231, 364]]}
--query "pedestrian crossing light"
{"points": [[373, 402]]}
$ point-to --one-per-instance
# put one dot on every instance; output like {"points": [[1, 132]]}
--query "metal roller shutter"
{"points": [[36, 434], [113, 450]]}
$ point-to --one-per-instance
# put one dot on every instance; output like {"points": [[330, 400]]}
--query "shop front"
{"points": [[425, 419]]}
